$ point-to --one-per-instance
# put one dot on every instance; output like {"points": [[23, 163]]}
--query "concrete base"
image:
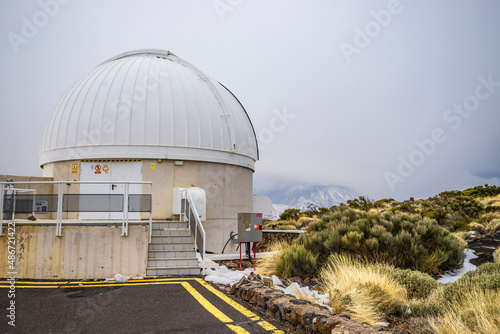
{"points": [[83, 252]]}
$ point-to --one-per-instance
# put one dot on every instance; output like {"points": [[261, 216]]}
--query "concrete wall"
{"points": [[62, 171], [83, 252], [229, 190]]}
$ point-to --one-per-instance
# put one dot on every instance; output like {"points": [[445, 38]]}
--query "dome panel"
{"points": [[149, 104]]}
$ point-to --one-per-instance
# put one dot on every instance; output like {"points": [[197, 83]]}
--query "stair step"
{"points": [[171, 232], [172, 262], [171, 246], [162, 271], [170, 239], [169, 254], [169, 224]]}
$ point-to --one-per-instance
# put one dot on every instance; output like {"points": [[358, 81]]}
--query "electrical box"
{"points": [[250, 227]]}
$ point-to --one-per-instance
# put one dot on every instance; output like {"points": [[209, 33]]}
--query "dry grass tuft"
{"points": [[300, 294], [496, 255], [362, 290], [268, 265], [478, 228], [490, 201], [476, 312], [494, 225]]}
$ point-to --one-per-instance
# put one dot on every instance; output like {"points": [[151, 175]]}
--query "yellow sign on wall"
{"points": [[74, 168], [152, 166]]}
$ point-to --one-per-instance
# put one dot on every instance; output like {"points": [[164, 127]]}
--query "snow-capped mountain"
{"points": [[300, 197]]}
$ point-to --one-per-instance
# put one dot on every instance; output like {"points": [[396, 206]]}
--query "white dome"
{"points": [[149, 104]]}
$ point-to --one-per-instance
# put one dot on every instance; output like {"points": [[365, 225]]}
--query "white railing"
{"points": [[190, 215], [60, 202]]}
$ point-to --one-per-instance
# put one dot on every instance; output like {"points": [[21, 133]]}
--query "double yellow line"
{"points": [[183, 281]]}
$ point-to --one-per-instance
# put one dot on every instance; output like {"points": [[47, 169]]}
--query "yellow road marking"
{"points": [[214, 310], [246, 312], [160, 281], [31, 286], [99, 282], [237, 329], [206, 304], [85, 286]]}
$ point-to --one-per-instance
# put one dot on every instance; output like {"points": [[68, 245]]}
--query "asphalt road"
{"points": [[144, 306]]}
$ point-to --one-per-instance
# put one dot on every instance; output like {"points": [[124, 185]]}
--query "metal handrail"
{"points": [[187, 217], [60, 194]]}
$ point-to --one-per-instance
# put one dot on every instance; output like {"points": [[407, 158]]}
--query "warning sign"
{"points": [[97, 169], [74, 168], [41, 206], [152, 166], [105, 168]]}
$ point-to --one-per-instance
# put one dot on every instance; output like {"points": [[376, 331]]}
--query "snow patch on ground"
{"points": [[452, 276], [303, 292], [119, 278], [225, 276], [276, 280]]}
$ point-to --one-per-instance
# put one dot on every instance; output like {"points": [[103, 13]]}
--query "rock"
{"points": [[268, 282], [293, 318], [254, 277], [325, 325], [236, 286], [299, 302]]}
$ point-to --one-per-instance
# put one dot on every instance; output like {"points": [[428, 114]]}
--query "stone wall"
{"points": [[299, 315]]}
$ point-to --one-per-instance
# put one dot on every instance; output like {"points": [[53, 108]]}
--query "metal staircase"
{"points": [[171, 251]]}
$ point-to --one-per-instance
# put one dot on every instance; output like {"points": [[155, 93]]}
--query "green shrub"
{"points": [[407, 241], [287, 227], [380, 203], [362, 202], [460, 226], [482, 191], [494, 226], [296, 260], [418, 285], [290, 214], [478, 228], [484, 270]]}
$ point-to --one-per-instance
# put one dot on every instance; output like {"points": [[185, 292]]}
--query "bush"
{"points": [[364, 291], [296, 260], [484, 270], [494, 226], [478, 228], [286, 227], [362, 202], [418, 285], [485, 279], [407, 241], [476, 312], [268, 265], [290, 214]]}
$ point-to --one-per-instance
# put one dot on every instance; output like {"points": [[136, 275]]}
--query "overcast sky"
{"points": [[389, 98]]}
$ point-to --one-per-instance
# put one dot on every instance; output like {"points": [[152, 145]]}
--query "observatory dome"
{"points": [[149, 104]]}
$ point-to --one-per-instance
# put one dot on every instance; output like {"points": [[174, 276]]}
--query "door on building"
{"points": [[109, 171]]}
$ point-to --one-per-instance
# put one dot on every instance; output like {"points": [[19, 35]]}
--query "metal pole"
{"points": [[59, 209], [125, 211], [203, 255], [14, 204], [2, 190], [150, 211]]}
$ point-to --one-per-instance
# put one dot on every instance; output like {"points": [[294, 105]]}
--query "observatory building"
{"points": [[148, 116]]}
